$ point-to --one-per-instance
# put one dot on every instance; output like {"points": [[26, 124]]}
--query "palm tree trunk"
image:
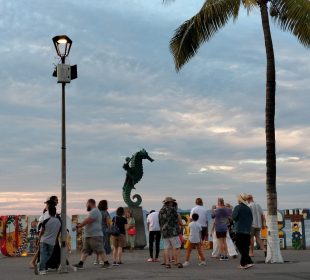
{"points": [[273, 241]]}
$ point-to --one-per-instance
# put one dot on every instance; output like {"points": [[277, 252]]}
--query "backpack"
{"points": [[114, 230]]}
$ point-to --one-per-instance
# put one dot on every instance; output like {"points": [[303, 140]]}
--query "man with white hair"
{"points": [[243, 218], [259, 222], [203, 217]]}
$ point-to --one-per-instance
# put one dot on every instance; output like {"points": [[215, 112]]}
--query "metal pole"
{"points": [[63, 258]]}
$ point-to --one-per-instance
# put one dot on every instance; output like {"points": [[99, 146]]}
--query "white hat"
{"points": [[168, 199], [243, 198]]}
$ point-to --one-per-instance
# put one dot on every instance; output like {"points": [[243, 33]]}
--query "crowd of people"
{"points": [[233, 232]]}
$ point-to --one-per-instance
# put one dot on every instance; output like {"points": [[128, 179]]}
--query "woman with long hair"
{"points": [[119, 240], [131, 231], [106, 221]]}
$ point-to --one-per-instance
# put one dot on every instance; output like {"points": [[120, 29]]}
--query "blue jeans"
{"points": [[46, 251], [106, 241]]}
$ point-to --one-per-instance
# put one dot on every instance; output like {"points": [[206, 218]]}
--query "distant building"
{"points": [[306, 214]]}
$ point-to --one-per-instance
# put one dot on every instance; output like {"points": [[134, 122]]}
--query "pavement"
{"points": [[296, 266]]}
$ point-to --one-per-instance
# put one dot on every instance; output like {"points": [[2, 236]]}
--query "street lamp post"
{"points": [[64, 73]]}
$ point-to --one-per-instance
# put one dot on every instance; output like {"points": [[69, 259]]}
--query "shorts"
{"points": [[204, 233], [221, 234], [172, 242], [93, 245], [118, 241], [255, 232]]}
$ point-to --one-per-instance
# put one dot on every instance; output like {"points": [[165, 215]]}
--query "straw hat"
{"points": [[243, 198], [168, 199]]}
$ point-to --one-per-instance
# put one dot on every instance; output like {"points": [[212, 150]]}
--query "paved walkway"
{"points": [[297, 266]]}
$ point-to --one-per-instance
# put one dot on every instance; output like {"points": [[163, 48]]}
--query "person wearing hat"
{"points": [[48, 239], [169, 225], [50, 201], [243, 218]]}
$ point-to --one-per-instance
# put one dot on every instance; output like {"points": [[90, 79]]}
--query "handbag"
{"points": [[132, 231], [114, 230]]}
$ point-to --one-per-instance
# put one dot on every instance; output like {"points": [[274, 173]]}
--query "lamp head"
{"points": [[62, 45]]}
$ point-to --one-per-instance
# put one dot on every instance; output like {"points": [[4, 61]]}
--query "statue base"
{"points": [[138, 215]]}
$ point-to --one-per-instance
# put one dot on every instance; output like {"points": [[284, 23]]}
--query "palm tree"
{"points": [[290, 15]]}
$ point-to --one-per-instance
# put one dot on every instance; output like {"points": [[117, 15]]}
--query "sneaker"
{"points": [[242, 266], [106, 265], [224, 258], [96, 262], [115, 264], [157, 260], [250, 265], [150, 260], [78, 266], [42, 272], [186, 264], [36, 269], [51, 269], [202, 263]]}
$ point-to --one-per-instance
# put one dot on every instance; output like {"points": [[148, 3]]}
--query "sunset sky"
{"points": [[203, 126]]}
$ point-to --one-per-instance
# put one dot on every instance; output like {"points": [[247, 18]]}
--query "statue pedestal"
{"points": [[138, 215]]}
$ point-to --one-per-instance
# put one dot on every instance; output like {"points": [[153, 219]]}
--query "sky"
{"points": [[204, 126]]}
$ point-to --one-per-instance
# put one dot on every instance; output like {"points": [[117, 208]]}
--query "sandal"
{"points": [[168, 265]]}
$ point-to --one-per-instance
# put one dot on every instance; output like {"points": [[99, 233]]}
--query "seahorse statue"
{"points": [[134, 174]]}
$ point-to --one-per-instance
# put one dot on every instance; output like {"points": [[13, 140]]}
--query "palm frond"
{"points": [[187, 39], [236, 9], [293, 16], [249, 5], [167, 1]]}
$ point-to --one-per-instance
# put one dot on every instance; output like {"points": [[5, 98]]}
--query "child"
{"points": [[195, 241]]}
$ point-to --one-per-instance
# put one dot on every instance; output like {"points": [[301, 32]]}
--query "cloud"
{"points": [[216, 168], [220, 130], [207, 120], [280, 159]]}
